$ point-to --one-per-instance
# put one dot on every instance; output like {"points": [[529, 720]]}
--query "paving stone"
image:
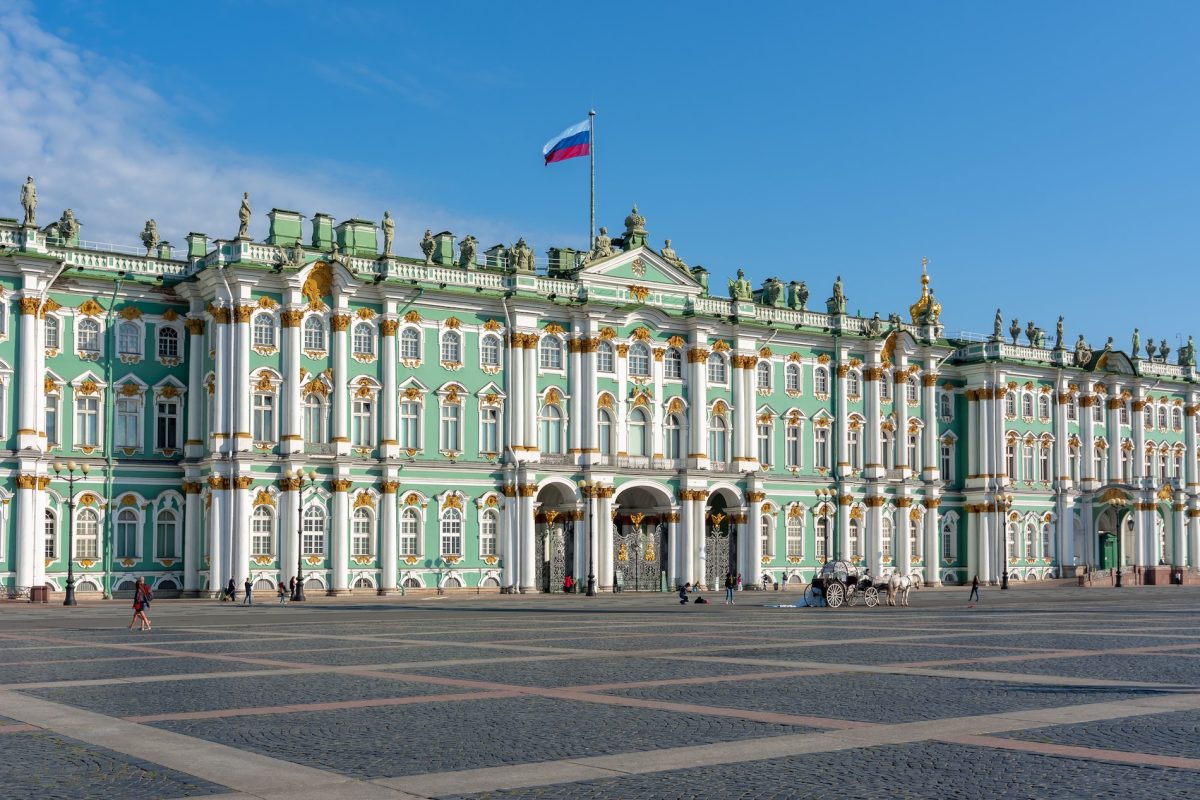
{"points": [[1157, 668], [587, 671], [1174, 734], [349, 654], [89, 670]]}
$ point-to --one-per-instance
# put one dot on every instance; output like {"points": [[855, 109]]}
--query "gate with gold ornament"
{"points": [[639, 553], [554, 551]]}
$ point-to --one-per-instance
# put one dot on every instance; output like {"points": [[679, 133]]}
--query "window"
{"points": [[551, 430], [672, 364], [1044, 463], [52, 437], [1031, 540], [1177, 468], [914, 536], [1044, 407], [950, 537], [945, 406], [1047, 539], [1010, 404], [87, 336], [1010, 541], [1126, 465], [764, 443], [1148, 418], [410, 425], [363, 339], [1010, 459], [451, 347], [604, 431], [639, 360], [410, 532], [50, 332], [487, 533], [914, 451], [762, 375], [50, 536], [885, 387], [1072, 409], [262, 532], [451, 531], [854, 446], [853, 383], [820, 380], [604, 357], [1027, 461], [312, 539], [947, 465], [166, 534], [1027, 405], [822, 528], [1100, 466], [129, 414], [717, 438], [855, 533], [264, 417], [913, 390], [129, 339], [489, 429], [889, 448], [716, 368], [793, 455], [887, 537], [489, 351], [87, 421], [1098, 410], [821, 447], [87, 534], [262, 330], [362, 532], [795, 536], [1123, 414], [362, 423], [1162, 417], [451, 427], [765, 526], [638, 433], [168, 343], [166, 428], [410, 345], [316, 429], [1076, 465], [550, 353], [791, 378], [314, 334], [127, 534], [671, 438]]}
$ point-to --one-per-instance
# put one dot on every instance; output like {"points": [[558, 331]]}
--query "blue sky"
{"points": [[1041, 155]]}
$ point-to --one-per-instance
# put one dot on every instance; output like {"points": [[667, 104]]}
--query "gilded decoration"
{"points": [[218, 483], [243, 481], [453, 501], [291, 318], [720, 346], [675, 406], [264, 498], [365, 313], [29, 305], [340, 484], [264, 383], [554, 328], [642, 334], [51, 305], [318, 284], [192, 487], [131, 390], [553, 397], [87, 387], [622, 350], [676, 341], [697, 355], [492, 325], [388, 327], [89, 308], [608, 333], [412, 499], [194, 326], [267, 303], [412, 317], [639, 293], [605, 401], [364, 500], [389, 487], [49, 386], [453, 323], [220, 314], [339, 323]]}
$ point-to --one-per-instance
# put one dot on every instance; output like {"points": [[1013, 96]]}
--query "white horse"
{"points": [[900, 585]]}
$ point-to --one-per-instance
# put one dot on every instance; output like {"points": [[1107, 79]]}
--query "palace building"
{"points": [[497, 419]]}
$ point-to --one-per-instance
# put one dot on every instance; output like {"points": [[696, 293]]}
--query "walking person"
{"points": [[739, 581], [248, 586], [974, 592], [292, 586], [231, 591], [728, 588], [283, 597], [141, 601]]}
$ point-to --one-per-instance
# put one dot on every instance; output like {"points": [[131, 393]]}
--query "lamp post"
{"points": [[301, 476], [588, 488], [824, 496], [70, 478], [1120, 502], [1003, 504]]}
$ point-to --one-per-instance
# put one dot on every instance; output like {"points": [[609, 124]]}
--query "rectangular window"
{"points": [[792, 444], [489, 430], [52, 437], [363, 429], [795, 538], [128, 413], [854, 445], [947, 461], [167, 433], [487, 534], [764, 444], [410, 529], [50, 534], [451, 429], [410, 416], [1027, 462], [1044, 465], [87, 421], [165, 535], [821, 446], [264, 418]]}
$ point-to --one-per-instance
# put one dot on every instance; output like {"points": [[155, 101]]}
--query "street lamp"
{"points": [[824, 497], [1120, 502], [70, 478], [588, 488], [301, 476], [1003, 504]]}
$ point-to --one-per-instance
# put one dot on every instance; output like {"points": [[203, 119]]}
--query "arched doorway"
{"points": [[1115, 545], [639, 531], [555, 520], [722, 519]]}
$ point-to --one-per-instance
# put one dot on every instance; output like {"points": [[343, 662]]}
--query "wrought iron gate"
{"points": [[639, 557], [551, 559], [719, 555]]}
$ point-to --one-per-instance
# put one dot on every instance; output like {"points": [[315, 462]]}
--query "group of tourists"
{"points": [[283, 591]]}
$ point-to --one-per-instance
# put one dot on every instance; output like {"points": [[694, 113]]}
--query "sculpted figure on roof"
{"points": [[29, 201]]}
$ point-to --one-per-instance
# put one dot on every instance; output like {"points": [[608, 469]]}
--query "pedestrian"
{"points": [[248, 586], [282, 594], [292, 586], [568, 584], [231, 591], [683, 593], [141, 601], [739, 582], [974, 591], [728, 588]]}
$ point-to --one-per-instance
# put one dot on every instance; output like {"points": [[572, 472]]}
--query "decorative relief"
{"points": [[639, 293], [89, 308], [453, 323], [339, 323]]}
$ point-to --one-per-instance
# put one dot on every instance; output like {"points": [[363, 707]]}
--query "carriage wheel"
{"points": [[872, 597], [835, 594]]}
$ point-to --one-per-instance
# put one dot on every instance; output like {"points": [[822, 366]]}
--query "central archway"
{"points": [[639, 537], [723, 520], [555, 527]]}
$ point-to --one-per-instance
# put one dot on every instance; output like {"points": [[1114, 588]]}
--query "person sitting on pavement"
{"points": [[683, 593]]}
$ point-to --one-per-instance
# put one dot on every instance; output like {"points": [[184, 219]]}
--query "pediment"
{"points": [[642, 267]]}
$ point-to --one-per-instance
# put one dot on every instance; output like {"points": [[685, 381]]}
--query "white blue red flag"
{"points": [[574, 141]]}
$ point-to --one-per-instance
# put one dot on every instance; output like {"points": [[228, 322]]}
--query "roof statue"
{"points": [[772, 292], [427, 246], [1031, 333], [389, 233], [837, 303], [671, 256], [150, 235], [1187, 355], [522, 256], [797, 295], [466, 251], [739, 288], [244, 217], [927, 310], [635, 229], [1150, 350], [601, 248], [1014, 330], [1137, 343], [998, 327], [874, 327], [1059, 339], [1163, 350], [1083, 353], [29, 202]]}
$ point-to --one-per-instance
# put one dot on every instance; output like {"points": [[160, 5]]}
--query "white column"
{"points": [[592, 514], [743, 407], [191, 537], [842, 420], [931, 468], [28, 528], [985, 404], [223, 423], [515, 387], [986, 549], [509, 544], [873, 546], [1136, 405], [900, 404], [580, 535], [388, 532], [1193, 535], [1179, 554], [1087, 445], [672, 548], [698, 537], [686, 547], [528, 576], [903, 553], [842, 542], [1113, 434], [750, 453], [217, 521], [697, 388], [658, 414], [750, 576], [293, 438], [32, 369], [742, 518], [241, 528], [1191, 480], [576, 424], [339, 323], [340, 538], [391, 445], [971, 439], [933, 543], [243, 441], [529, 354], [873, 463], [604, 536], [589, 439], [620, 426], [288, 523], [1062, 434], [194, 444]]}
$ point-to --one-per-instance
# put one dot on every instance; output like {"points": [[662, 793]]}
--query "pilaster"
{"points": [[389, 532], [339, 324], [194, 445], [390, 443], [339, 535], [290, 320]]}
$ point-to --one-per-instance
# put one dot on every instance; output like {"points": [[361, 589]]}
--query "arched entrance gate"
{"points": [[555, 519], [722, 518], [639, 531]]}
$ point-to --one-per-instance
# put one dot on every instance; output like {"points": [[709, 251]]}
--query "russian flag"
{"points": [[574, 141]]}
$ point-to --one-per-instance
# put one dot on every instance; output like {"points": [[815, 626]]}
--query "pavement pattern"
{"points": [[1047, 692]]}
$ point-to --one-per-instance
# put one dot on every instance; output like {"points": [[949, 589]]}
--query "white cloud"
{"points": [[92, 135]]}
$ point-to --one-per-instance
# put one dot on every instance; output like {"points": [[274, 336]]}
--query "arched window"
{"points": [[604, 357], [795, 536], [451, 347], [1031, 540], [1027, 404], [489, 351], [168, 343], [854, 383], [262, 532], [950, 537], [1010, 404], [487, 533], [716, 368], [316, 428], [1177, 418], [639, 360], [314, 334], [166, 528], [1010, 459], [451, 532], [638, 433], [410, 532], [820, 380], [945, 406], [262, 330], [1044, 407], [1148, 418], [822, 531], [550, 353], [671, 440], [410, 345], [791, 378], [312, 540], [947, 459], [50, 536], [1162, 417], [1010, 542], [87, 336], [762, 375], [718, 431], [604, 429], [855, 532], [127, 534], [914, 537], [362, 532], [1047, 539], [50, 332], [672, 363], [87, 534], [551, 430], [129, 339], [913, 390], [887, 538], [885, 387], [363, 339], [766, 527]]}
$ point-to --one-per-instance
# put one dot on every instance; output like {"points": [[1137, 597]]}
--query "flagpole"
{"points": [[592, 151]]}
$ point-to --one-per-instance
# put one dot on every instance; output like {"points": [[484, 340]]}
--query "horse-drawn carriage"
{"points": [[841, 582]]}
